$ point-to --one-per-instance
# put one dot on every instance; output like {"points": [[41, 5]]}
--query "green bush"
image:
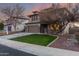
{"points": [[1, 26]]}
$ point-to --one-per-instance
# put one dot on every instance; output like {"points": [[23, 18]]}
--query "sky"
{"points": [[29, 7]]}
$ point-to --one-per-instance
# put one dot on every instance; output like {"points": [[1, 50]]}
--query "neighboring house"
{"points": [[49, 21], [14, 25]]}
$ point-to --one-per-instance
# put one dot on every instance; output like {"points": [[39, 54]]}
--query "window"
{"points": [[35, 18], [32, 18]]}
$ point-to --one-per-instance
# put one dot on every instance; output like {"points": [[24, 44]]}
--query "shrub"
{"points": [[1, 26], [77, 36]]}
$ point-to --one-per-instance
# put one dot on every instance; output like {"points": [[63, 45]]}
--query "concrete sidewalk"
{"points": [[34, 49], [14, 35]]}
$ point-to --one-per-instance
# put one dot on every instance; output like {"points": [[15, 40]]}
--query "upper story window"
{"points": [[34, 16]]}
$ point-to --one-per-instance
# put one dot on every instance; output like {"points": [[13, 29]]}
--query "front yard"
{"points": [[39, 39]]}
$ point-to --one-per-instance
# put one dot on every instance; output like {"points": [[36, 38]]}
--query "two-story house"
{"points": [[48, 20]]}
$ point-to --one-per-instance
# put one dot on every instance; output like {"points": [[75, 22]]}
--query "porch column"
{"points": [[7, 30]]}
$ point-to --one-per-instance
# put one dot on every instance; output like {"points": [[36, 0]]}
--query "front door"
{"points": [[44, 28], [9, 28]]}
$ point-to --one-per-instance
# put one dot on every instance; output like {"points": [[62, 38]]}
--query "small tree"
{"points": [[11, 12]]}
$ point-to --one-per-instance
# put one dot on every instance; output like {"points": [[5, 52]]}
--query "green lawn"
{"points": [[38, 39]]}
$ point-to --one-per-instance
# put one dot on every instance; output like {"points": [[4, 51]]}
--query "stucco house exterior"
{"points": [[45, 21], [15, 25]]}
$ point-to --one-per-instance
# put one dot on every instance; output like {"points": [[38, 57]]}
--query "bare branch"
{"points": [[16, 11]]}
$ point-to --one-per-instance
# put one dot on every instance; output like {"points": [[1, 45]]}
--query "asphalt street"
{"points": [[7, 51]]}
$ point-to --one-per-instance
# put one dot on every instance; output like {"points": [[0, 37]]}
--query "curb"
{"points": [[53, 41]]}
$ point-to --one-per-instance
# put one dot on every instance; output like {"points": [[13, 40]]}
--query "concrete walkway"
{"points": [[34, 49], [14, 35]]}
